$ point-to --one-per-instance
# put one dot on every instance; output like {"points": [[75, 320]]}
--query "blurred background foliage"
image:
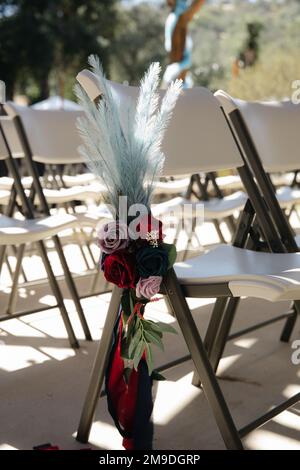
{"points": [[44, 43]]}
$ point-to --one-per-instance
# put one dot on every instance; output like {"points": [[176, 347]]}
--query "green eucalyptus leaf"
{"points": [[134, 341], [132, 326], [149, 359], [130, 329], [172, 253], [124, 350], [137, 323], [138, 354], [152, 337], [165, 327], [132, 302], [151, 326]]}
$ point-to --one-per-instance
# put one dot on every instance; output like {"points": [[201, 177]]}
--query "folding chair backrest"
{"points": [[52, 135], [11, 137], [3, 148], [197, 139], [250, 146], [274, 128]]}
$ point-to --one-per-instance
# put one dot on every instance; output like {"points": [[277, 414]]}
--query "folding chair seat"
{"points": [[288, 197], [6, 182], [4, 197], [85, 193], [269, 276], [229, 182], [92, 218], [283, 179], [79, 180], [226, 272], [214, 208], [171, 187], [18, 232]]}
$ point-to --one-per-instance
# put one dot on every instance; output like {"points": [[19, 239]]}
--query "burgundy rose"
{"points": [[113, 236], [148, 287], [150, 225], [119, 268]]}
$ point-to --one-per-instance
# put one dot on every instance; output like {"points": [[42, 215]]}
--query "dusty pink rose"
{"points": [[113, 236], [148, 287]]}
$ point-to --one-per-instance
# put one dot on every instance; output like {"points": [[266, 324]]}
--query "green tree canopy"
{"points": [[43, 37]]}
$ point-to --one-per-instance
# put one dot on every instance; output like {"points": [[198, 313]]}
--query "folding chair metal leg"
{"points": [[190, 238], [219, 231], [211, 332], [72, 288], [230, 222], [99, 367], [218, 346], [88, 245], [2, 256], [14, 289], [79, 242], [58, 295], [14, 249], [208, 379], [94, 283], [290, 323]]}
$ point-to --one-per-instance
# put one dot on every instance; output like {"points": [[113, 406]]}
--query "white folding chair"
{"points": [[18, 233], [13, 126], [268, 135], [227, 272]]}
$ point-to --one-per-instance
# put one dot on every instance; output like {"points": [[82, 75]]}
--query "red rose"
{"points": [[119, 268], [149, 224]]}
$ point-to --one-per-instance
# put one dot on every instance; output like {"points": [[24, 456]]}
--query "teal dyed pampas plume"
{"points": [[125, 152]]}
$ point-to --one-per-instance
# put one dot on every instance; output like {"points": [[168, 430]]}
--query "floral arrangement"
{"points": [[137, 265], [122, 146]]}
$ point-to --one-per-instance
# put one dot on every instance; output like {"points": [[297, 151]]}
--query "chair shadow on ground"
{"points": [[43, 395]]}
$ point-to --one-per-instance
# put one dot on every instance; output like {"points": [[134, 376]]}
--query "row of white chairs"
{"points": [[45, 131], [29, 135]]}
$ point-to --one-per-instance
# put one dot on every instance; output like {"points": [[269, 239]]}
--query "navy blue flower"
{"points": [[152, 261]]}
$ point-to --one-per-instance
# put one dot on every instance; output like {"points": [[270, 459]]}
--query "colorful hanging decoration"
{"points": [[127, 158]]}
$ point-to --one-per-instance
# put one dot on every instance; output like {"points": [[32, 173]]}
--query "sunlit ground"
{"points": [[43, 381]]}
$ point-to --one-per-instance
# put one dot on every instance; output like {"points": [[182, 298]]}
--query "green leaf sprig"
{"points": [[139, 336]]}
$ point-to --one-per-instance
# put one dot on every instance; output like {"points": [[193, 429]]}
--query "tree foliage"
{"points": [[43, 43], [139, 40], [40, 37], [221, 31]]}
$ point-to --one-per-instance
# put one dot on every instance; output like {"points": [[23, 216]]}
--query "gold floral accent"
{"points": [[153, 237]]}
